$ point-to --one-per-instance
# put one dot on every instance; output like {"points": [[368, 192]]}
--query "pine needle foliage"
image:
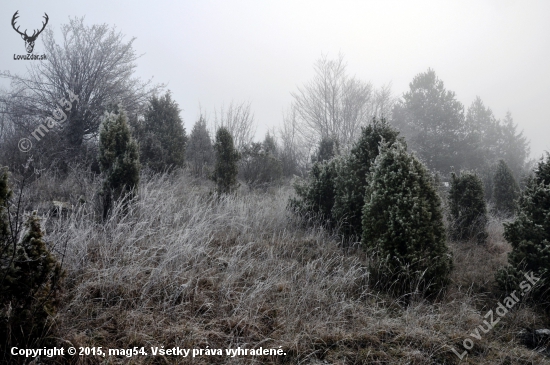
{"points": [[351, 178], [505, 190], [529, 235], [226, 168], [118, 159], [467, 208], [403, 223]]}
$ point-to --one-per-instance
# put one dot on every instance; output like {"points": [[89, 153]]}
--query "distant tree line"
{"points": [[435, 126]]}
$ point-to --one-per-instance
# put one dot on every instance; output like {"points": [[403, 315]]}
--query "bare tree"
{"points": [[383, 102], [294, 153], [332, 105], [239, 121], [96, 64]]}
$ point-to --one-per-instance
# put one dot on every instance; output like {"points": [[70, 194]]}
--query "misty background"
{"points": [[211, 53]]}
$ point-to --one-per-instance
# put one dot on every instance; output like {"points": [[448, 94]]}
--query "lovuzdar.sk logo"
{"points": [[29, 39]]}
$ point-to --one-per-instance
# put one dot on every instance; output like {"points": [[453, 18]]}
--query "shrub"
{"points": [[328, 148], [29, 282], [402, 222], [315, 195], [118, 159], [529, 235], [162, 135], [505, 189], [467, 208], [351, 178], [225, 171]]}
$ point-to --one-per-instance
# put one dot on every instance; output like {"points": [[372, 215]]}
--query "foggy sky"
{"points": [[212, 52]]}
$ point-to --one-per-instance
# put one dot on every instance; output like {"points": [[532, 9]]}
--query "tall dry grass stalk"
{"points": [[181, 267]]}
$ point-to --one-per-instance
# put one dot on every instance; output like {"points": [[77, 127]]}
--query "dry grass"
{"points": [[477, 264], [184, 269]]}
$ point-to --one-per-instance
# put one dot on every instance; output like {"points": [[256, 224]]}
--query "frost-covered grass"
{"points": [[183, 268]]}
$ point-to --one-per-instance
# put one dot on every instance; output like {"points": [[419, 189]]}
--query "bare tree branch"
{"points": [[332, 105], [239, 121]]}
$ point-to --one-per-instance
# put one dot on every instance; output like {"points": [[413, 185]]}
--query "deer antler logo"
{"points": [[29, 40]]}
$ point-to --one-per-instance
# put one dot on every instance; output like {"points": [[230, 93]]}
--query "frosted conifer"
{"points": [[529, 235], [351, 178], [163, 137], [315, 195], [29, 281], [402, 221], [118, 159], [467, 208], [226, 169]]}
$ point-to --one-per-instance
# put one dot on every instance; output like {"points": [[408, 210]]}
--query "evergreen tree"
{"points": [[31, 289], [328, 148], [402, 221], [484, 135], [29, 281], [529, 235], [491, 140], [200, 152], [162, 135], [351, 178], [226, 169], [315, 195], [432, 121], [467, 208], [118, 159], [514, 147], [505, 189]]}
